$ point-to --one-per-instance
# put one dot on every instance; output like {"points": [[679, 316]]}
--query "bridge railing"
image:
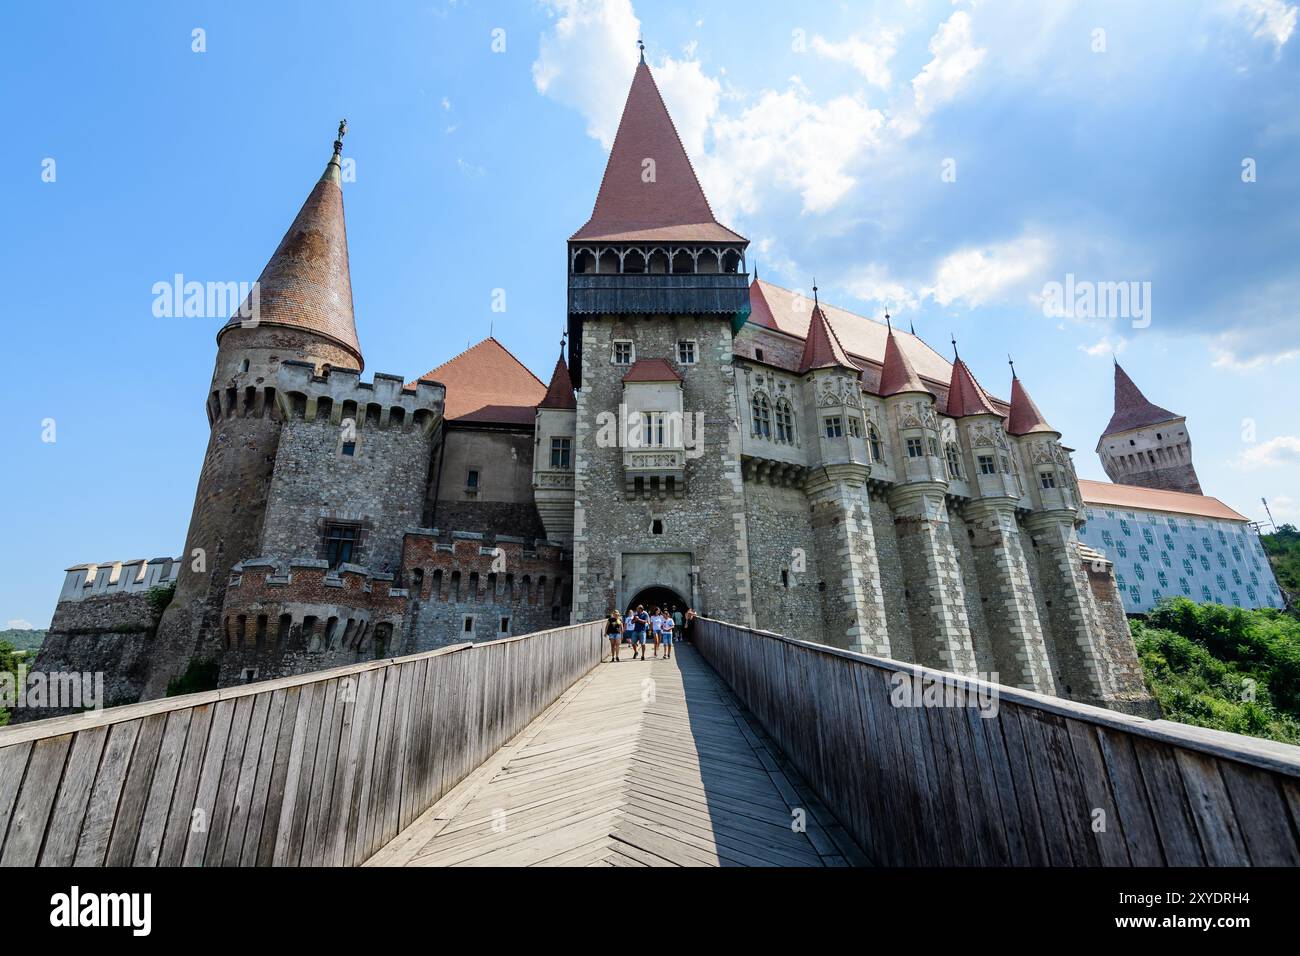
{"points": [[318, 769], [929, 768]]}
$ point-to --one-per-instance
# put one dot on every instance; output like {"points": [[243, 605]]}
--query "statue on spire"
{"points": [[338, 143]]}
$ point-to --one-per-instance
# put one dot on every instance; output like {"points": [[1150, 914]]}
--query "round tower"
{"points": [[300, 309]]}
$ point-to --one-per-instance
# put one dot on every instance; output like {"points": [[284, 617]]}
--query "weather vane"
{"points": [[640, 45]]}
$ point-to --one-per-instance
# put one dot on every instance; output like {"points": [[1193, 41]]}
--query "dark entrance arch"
{"points": [[664, 597]]}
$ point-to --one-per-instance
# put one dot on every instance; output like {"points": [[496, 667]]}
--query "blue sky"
{"points": [[944, 160]]}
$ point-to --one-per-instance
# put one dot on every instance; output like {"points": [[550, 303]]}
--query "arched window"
{"points": [[762, 416], [784, 422], [877, 446], [953, 454], [683, 262]]}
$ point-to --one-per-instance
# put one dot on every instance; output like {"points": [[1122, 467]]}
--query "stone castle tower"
{"points": [[653, 272], [302, 313], [1146, 445]]}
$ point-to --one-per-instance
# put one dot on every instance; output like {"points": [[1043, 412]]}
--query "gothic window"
{"points": [[954, 460], [855, 426], [623, 352], [686, 351], [762, 415], [340, 541], [1047, 478], [784, 421], [652, 429], [914, 448], [560, 453], [987, 465], [877, 447], [834, 427]]}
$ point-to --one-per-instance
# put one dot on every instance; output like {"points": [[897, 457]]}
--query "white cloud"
{"points": [[978, 275], [868, 58], [788, 140], [1269, 19], [1282, 450], [1105, 347], [872, 283], [691, 98], [18, 624], [955, 60], [587, 59], [1227, 356], [1285, 509]]}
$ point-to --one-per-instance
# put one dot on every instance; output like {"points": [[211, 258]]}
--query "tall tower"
{"points": [[1146, 445], [657, 289], [302, 311]]}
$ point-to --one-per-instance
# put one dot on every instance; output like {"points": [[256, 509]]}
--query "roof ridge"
{"points": [[478, 344]]}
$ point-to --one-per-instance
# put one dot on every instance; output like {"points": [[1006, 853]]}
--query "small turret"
{"points": [[1146, 445]]}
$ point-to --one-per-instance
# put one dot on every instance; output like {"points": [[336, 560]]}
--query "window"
{"points": [[622, 352], [471, 479], [933, 443], [914, 448], [1006, 465], [505, 626], [1047, 479], [987, 465], [340, 541], [954, 459], [657, 526], [560, 453], [784, 421], [686, 351], [762, 415], [652, 429], [855, 426], [350, 448], [467, 624], [249, 673], [758, 354], [834, 427], [873, 439]]}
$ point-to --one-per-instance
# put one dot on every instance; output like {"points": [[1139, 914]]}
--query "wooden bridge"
{"points": [[745, 749]]}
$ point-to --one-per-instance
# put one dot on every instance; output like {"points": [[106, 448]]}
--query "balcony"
{"points": [[655, 470]]}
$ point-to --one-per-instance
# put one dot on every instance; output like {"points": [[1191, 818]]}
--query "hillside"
{"points": [[24, 640], [1283, 550]]}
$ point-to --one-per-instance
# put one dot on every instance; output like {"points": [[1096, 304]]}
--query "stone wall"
{"points": [[792, 605]]}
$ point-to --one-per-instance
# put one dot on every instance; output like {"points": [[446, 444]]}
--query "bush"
{"points": [[200, 674], [159, 597], [1226, 668]]}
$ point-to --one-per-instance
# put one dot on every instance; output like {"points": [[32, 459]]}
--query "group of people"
{"points": [[639, 627]]}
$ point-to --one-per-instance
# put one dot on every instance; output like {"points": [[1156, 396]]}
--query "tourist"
{"points": [[667, 632], [678, 620], [614, 631], [656, 627], [629, 625], [638, 634], [688, 631]]}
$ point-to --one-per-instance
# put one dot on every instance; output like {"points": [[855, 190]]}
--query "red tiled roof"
{"points": [[559, 394], [487, 384], [651, 370], [821, 349], [965, 397], [1132, 410], [1025, 418], [897, 374], [671, 207], [1104, 493], [306, 284]]}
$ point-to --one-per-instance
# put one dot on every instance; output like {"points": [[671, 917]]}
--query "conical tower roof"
{"points": [[634, 205], [896, 373], [307, 283], [1025, 418], [965, 397], [1132, 410], [559, 394], [821, 348]]}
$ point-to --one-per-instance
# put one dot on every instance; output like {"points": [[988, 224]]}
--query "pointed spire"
{"points": [[1024, 418], [559, 394], [896, 373], [1132, 410], [307, 283], [821, 347], [650, 190], [965, 397]]}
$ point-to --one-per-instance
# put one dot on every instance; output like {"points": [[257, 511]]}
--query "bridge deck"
{"points": [[639, 764]]}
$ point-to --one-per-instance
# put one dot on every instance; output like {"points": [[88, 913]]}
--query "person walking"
{"points": [[629, 625], [678, 620], [638, 635], [667, 632], [656, 628], [689, 630], [614, 631]]}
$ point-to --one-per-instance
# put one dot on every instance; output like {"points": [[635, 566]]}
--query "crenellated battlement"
{"points": [[339, 394], [464, 566], [117, 577]]}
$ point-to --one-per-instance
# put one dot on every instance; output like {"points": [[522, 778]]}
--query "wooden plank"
{"points": [[135, 791], [279, 786], [31, 813], [327, 748], [74, 796], [1259, 809], [1170, 807], [180, 817], [13, 764], [297, 785], [1212, 810], [162, 788], [254, 830], [1106, 823], [1132, 803], [97, 827], [223, 799]]}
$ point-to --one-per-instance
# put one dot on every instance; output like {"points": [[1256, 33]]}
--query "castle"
{"points": [[709, 440]]}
